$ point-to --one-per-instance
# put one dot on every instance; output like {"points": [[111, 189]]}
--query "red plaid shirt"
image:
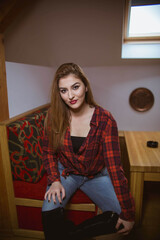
{"points": [[99, 149]]}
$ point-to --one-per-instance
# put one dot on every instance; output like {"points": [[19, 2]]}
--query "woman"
{"points": [[81, 150]]}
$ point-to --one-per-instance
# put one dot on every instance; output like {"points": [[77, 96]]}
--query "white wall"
{"points": [[29, 87], [112, 87]]}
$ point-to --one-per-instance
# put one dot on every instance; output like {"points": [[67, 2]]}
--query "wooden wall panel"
{"points": [[4, 110], [5, 223], [5, 220], [10, 10]]}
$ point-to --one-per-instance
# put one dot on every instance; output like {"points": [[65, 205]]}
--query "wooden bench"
{"points": [[11, 204]]}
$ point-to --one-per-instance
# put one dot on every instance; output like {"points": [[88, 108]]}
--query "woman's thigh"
{"points": [[100, 190], [70, 186]]}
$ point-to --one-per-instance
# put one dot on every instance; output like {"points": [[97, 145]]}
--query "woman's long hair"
{"points": [[58, 118]]}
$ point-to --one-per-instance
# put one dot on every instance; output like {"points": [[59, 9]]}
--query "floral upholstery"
{"points": [[25, 147]]}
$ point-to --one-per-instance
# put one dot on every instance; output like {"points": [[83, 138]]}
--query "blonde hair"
{"points": [[58, 118]]}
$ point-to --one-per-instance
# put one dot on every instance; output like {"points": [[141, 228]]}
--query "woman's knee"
{"points": [[51, 205]]}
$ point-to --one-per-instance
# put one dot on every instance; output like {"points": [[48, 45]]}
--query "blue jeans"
{"points": [[99, 189]]}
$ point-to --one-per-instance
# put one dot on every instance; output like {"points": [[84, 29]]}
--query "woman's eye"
{"points": [[63, 91], [76, 87]]}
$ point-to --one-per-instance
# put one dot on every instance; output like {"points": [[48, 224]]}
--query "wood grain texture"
{"points": [[8, 187], [141, 157], [144, 164], [29, 233], [136, 187], [38, 203], [4, 112], [10, 10], [5, 221], [13, 119]]}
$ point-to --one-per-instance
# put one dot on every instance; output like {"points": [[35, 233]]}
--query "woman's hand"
{"points": [[127, 226], [56, 189]]}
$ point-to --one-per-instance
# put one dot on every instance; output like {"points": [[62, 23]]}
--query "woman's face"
{"points": [[72, 91]]}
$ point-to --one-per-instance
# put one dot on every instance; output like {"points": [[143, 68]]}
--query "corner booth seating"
{"points": [[21, 145]]}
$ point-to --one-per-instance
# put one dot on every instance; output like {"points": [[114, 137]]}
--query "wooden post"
{"points": [[137, 185], [4, 112], [7, 201], [10, 9], [5, 222]]}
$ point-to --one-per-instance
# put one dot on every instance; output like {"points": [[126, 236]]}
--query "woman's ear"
{"points": [[86, 89]]}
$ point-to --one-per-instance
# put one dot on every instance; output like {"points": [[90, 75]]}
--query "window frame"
{"points": [[126, 38]]}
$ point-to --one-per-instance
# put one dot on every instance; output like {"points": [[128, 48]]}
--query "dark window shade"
{"points": [[144, 2]]}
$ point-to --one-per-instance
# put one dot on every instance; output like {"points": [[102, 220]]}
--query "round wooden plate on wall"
{"points": [[141, 99]]}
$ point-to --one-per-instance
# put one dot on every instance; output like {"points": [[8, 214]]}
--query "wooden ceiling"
{"points": [[9, 10]]}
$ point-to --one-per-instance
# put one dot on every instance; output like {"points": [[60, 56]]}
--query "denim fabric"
{"points": [[99, 189]]}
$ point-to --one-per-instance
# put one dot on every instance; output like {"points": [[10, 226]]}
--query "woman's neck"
{"points": [[80, 121], [83, 110]]}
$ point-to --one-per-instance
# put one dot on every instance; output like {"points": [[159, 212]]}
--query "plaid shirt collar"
{"points": [[95, 118]]}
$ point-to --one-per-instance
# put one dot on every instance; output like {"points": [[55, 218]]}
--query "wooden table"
{"points": [[144, 164]]}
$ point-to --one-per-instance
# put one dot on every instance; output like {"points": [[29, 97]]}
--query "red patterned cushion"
{"points": [[37, 191], [30, 217], [25, 147]]}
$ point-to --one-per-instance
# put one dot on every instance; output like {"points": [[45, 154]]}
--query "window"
{"points": [[141, 33], [142, 20]]}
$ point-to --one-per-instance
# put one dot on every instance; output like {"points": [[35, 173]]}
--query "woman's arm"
{"points": [[111, 152], [50, 162]]}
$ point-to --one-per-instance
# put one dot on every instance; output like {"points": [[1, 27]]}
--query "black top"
{"points": [[77, 142]]}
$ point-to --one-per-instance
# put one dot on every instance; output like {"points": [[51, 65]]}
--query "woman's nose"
{"points": [[70, 95]]}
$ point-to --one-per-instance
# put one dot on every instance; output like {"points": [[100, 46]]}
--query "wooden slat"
{"points": [[8, 121], [153, 177], [38, 203], [28, 202], [155, 39], [81, 207], [28, 233], [4, 112], [136, 186], [6, 168]]}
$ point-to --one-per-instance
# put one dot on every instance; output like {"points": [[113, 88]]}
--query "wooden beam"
{"points": [[5, 220], [8, 208], [28, 234], [4, 112], [9, 10], [89, 207]]}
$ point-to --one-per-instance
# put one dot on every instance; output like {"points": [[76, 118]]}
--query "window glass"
{"points": [[141, 32], [144, 21]]}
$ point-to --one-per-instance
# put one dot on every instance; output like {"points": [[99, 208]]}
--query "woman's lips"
{"points": [[73, 101]]}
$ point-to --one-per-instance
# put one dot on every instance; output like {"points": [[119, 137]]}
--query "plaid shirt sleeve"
{"points": [[50, 162], [111, 152]]}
